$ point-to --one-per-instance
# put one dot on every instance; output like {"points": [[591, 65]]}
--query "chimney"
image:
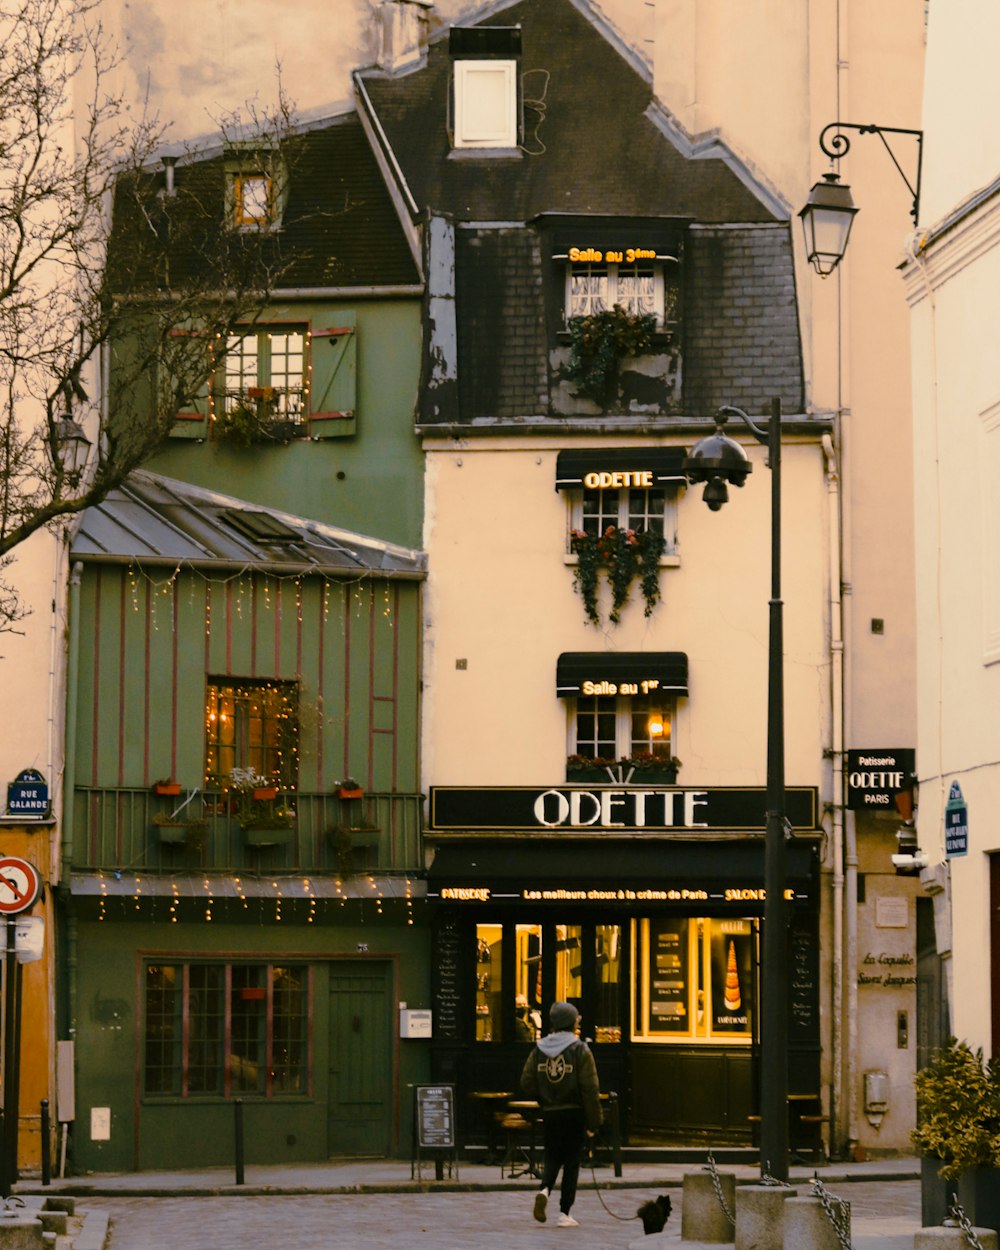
{"points": [[402, 32]]}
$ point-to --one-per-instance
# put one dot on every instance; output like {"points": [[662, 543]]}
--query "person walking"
{"points": [[561, 1075]]}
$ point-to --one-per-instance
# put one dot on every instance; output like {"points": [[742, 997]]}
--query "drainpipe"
{"points": [[832, 470], [72, 703]]}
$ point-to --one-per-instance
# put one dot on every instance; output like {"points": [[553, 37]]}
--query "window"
{"points": [[253, 199], [226, 1029], [263, 374], [252, 725], [617, 727], [256, 185], [485, 104], [641, 287], [596, 510], [521, 968], [695, 979]]}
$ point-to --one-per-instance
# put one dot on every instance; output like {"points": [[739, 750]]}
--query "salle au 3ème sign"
{"points": [[607, 808]]}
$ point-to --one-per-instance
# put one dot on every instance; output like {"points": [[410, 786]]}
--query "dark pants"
{"points": [[565, 1133]]}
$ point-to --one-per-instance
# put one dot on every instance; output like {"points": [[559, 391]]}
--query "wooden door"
{"points": [[361, 1075]]}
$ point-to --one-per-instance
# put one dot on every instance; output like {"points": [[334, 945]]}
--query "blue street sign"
{"points": [[28, 795], [956, 823]]}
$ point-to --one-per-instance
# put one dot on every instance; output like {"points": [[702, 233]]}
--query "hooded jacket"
{"points": [[561, 1074]]}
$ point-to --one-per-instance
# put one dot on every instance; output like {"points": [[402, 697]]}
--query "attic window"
{"points": [[485, 86], [255, 185], [252, 199]]}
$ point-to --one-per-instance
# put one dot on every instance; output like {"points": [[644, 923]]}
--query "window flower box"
{"points": [[172, 788], [349, 789], [169, 831], [263, 794], [268, 835], [636, 770]]}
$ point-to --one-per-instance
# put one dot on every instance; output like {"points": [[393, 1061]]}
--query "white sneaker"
{"points": [[566, 1221], [541, 1202]]}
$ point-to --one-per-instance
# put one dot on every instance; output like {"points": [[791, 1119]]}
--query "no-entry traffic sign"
{"points": [[20, 885]]}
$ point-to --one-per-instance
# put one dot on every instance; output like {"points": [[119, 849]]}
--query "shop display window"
{"points": [[608, 961], [528, 975], [520, 969], [489, 982], [696, 979]]}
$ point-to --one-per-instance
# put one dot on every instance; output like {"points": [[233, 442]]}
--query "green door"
{"points": [[361, 1081]]}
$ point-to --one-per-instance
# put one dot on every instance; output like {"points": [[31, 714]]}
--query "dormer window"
{"points": [[253, 199], [255, 186], [485, 87], [640, 280]]}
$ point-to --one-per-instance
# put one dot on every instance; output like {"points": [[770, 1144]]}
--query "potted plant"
{"points": [[642, 768], [958, 1134], [166, 785], [170, 831], [624, 554], [264, 821], [599, 342], [349, 789], [345, 838]]}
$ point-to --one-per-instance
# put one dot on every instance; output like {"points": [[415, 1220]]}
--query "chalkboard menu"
{"points": [[436, 1117], [447, 989], [803, 1006]]}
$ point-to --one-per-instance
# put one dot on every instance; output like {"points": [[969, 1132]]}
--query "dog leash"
{"points": [[625, 1219]]}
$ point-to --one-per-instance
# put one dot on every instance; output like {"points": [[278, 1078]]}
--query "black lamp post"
{"points": [[715, 461]]}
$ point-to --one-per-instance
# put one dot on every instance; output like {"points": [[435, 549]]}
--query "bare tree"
{"points": [[106, 259]]}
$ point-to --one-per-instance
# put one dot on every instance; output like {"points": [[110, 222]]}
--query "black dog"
{"points": [[655, 1214]]}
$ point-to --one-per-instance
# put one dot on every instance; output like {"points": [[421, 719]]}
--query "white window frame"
{"points": [[499, 129], [575, 499], [624, 746], [253, 347], [613, 270]]}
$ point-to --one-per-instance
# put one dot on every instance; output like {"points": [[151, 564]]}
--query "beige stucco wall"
{"points": [[501, 597]]}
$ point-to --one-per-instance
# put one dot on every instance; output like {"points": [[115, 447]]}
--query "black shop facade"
{"points": [[643, 905]]}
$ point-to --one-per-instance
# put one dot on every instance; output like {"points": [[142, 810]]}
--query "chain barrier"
{"points": [[713, 1171], [838, 1212], [767, 1179], [11, 1202], [963, 1221]]}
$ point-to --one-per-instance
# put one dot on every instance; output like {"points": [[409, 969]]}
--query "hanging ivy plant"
{"points": [[625, 554], [598, 343]]}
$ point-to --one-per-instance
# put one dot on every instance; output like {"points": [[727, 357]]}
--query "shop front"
{"points": [[648, 918]]}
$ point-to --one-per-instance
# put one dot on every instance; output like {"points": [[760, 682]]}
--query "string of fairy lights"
{"points": [[356, 593], [226, 897]]}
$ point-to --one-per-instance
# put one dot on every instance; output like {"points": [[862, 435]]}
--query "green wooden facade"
{"points": [[201, 958]]}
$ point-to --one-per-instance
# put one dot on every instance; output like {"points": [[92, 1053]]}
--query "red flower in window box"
{"points": [[349, 789], [263, 793]]}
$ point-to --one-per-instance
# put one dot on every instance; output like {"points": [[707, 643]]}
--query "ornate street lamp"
{"points": [[829, 212], [72, 448], [826, 220], [715, 461]]}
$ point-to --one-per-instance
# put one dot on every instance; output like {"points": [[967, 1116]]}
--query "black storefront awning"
{"points": [[662, 464], [677, 873], [640, 672]]}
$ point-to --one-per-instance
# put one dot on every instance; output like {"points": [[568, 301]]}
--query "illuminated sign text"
{"points": [[594, 256]]}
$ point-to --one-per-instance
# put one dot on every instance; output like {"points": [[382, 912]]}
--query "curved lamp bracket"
{"points": [[838, 145]]}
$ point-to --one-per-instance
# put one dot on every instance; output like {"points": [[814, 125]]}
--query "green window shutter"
{"points": [[333, 381], [191, 418]]}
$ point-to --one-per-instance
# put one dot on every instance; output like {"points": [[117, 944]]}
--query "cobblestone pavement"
{"points": [[884, 1217]]}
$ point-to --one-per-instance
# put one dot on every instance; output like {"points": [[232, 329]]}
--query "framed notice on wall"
{"points": [[668, 998]]}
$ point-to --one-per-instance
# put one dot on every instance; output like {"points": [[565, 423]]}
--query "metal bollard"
{"points": [[238, 1126], [46, 1162]]}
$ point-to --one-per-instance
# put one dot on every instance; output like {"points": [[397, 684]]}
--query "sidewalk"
{"points": [[884, 1195], [393, 1176]]}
